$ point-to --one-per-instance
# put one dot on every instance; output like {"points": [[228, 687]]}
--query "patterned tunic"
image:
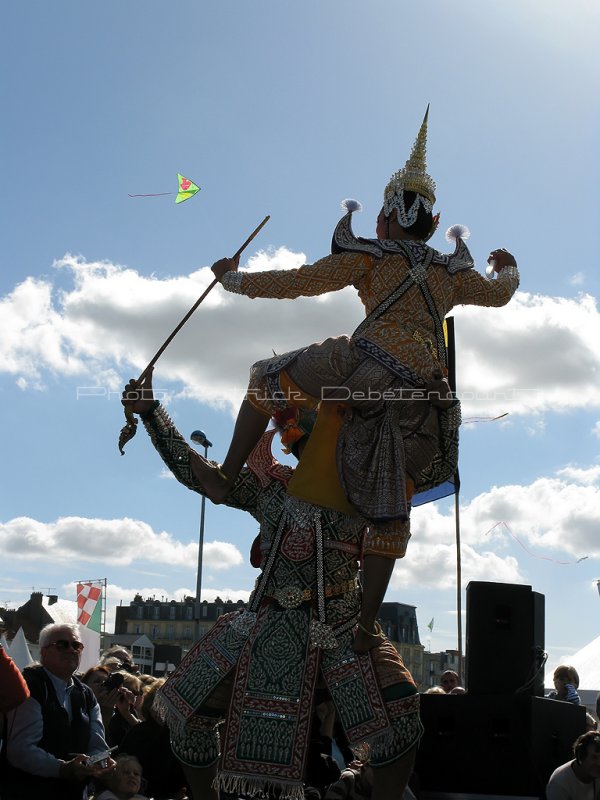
{"points": [[259, 668]]}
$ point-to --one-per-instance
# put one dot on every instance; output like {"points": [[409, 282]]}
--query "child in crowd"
{"points": [[566, 683]]}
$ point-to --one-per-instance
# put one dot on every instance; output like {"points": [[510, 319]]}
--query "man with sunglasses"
{"points": [[53, 733]]}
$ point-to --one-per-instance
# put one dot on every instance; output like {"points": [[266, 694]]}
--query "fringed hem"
{"points": [[162, 710], [257, 786], [387, 746]]}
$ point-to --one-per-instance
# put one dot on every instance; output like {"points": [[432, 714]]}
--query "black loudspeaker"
{"points": [[505, 639], [494, 745]]}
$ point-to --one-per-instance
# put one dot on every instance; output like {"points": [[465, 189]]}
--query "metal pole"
{"points": [[200, 438], [458, 585]]}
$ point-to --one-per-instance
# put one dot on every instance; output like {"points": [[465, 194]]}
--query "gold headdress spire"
{"points": [[412, 178]]}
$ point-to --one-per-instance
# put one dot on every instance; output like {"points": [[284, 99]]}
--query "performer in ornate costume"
{"points": [[397, 354], [387, 427], [259, 668]]}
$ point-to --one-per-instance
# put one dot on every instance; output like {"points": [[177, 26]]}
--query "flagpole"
{"points": [[458, 582], [103, 630], [451, 350]]}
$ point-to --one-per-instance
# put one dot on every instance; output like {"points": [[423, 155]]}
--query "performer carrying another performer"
{"points": [[260, 669], [391, 373]]}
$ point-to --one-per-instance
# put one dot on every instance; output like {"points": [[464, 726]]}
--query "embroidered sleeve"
{"points": [[472, 288], [178, 456], [326, 275]]}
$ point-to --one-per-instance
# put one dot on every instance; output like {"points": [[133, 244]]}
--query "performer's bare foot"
{"points": [[215, 484]]}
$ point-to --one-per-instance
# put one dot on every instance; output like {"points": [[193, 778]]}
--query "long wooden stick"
{"points": [[174, 333], [128, 431]]}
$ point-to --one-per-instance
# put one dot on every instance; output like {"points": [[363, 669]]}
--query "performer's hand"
{"points": [[139, 396], [439, 393], [366, 637], [501, 258], [224, 265]]}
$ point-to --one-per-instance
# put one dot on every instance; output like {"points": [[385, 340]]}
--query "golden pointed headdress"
{"points": [[412, 178]]}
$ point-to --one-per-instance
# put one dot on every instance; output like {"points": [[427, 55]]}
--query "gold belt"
{"points": [[292, 596]]}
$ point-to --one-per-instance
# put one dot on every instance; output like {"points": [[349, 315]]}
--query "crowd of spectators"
{"points": [[67, 736]]}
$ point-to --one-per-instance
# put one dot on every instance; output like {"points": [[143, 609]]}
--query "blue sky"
{"points": [[281, 108]]}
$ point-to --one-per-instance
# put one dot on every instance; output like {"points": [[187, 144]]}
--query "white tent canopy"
{"points": [[587, 663], [19, 650]]}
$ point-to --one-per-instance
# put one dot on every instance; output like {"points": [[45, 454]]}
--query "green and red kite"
{"points": [[186, 189]]}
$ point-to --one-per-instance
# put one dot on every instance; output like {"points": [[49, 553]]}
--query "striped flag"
{"points": [[89, 605]]}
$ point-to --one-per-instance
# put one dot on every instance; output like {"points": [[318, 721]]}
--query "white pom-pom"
{"points": [[351, 205], [455, 232]]}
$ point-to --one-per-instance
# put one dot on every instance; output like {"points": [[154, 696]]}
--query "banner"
{"points": [[89, 605]]}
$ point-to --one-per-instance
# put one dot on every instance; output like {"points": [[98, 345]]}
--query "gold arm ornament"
{"points": [[129, 430]]}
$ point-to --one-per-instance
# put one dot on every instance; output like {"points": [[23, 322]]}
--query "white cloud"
{"points": [[113, 542], [577, 279], [596, 430], [112, 320], [433, 566], [550, 518], [534, 355], [432, 553], [554, 519], [586, 476], [281, 258]]}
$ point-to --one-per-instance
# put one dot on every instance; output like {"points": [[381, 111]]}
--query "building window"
{"points": [[172, 611], [188, 612], [138, 629], [204, 610], [140, 612], [187, 632], [156, 612], [170, 631]]}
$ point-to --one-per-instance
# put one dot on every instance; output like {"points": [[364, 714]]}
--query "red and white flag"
{"points": [[88, 596]]}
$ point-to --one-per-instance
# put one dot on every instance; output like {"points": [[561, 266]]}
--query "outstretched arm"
{"points": [[326, 275]]}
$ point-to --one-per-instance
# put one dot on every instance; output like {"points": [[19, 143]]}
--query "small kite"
{"points": [[187, 189]]}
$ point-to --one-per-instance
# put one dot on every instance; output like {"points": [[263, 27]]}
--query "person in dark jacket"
{"points": [[53, 734]]}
